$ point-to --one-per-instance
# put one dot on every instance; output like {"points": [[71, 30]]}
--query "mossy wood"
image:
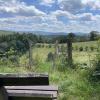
{"points": [[23, 79], [23, 87]]}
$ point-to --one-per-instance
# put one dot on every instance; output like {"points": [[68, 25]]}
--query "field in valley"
{"points": [[74, 84]]}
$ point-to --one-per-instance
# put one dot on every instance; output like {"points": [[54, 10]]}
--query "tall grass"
{"points": [[74, 84]]}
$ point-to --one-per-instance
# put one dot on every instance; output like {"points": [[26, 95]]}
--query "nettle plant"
{"points": [[97, 60]]}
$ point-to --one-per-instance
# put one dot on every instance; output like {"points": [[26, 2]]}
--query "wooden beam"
{"points": [[37, 88], [23, 79], [31, 93]]}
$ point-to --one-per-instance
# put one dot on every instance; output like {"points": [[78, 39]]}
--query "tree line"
{"points": [[19, 42]]}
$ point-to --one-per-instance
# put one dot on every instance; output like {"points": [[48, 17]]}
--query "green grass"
{"points": [[90, 43], [74, 84]]}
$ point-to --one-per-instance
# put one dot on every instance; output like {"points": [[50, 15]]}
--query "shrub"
{"points": [[97, 63], [50, 56], [62, 62], [14, 60], [38, 45], [92, 48], [42, 45], [49, 45], [76, 48], [63, 49], [86, 48], [81, 49], [3, 61]]}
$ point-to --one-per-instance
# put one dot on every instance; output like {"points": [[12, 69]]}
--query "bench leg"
{"points": [[3, 93]]}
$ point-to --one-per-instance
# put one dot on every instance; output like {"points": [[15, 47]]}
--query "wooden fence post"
{"points": [[69, 51], [30, 54], [56, 48]]}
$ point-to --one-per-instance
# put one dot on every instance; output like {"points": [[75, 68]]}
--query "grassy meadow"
{"points": [[74, 84]]}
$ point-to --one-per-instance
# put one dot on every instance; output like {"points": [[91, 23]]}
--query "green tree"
{"points": [[93, 35]]}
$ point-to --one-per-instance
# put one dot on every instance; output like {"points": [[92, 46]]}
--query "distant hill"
{"points": [[44, 33], [56, 33], [53, 33]]}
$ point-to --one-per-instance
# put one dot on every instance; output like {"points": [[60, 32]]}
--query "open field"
{"points": [[74, 84], [58, 37], [90, 43]]}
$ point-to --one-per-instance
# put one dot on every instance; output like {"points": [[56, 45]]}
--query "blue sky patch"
{"points": [[50, 15]]}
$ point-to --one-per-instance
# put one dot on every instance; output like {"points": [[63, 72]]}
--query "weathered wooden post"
{"points": [[51, 58], [56, 48], [69, 52], [3, 93], [70, 39], [30, 54], [56, 54]]}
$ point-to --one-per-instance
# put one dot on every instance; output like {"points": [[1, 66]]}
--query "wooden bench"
{"points": [[26, 87]]}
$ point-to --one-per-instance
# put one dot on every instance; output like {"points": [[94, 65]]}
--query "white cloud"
{"points": [[16, 7], [28, 17], [93, 4], [49, 24], [47, 2], [67, 14], [70, 16], [86, 17], [73, 6]]}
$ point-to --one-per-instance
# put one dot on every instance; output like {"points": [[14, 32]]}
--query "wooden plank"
{"points": [[41, 88], [24, 79], [29, 98], [3, 94], [31, 93]]}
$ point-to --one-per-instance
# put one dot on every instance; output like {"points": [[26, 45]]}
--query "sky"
{"points": [[50, 15]]}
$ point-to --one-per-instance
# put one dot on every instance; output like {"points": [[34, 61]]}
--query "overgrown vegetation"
{"points": [[48, 57]]}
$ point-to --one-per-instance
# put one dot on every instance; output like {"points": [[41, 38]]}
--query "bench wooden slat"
{"points": [[41, 88], [29, 98], [31, 93], [23, 79], [27, 87]]}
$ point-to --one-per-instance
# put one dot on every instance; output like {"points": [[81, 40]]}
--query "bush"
{"points": [[49, 45], [76, 48], [97, 63], [92, 48], [38, 45], [14, 60], [96, 70], [3, 61], [63, 48], [50, 56], [86, 48], [97, 60], [62, 62], [81, 49], [42, 46]]}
